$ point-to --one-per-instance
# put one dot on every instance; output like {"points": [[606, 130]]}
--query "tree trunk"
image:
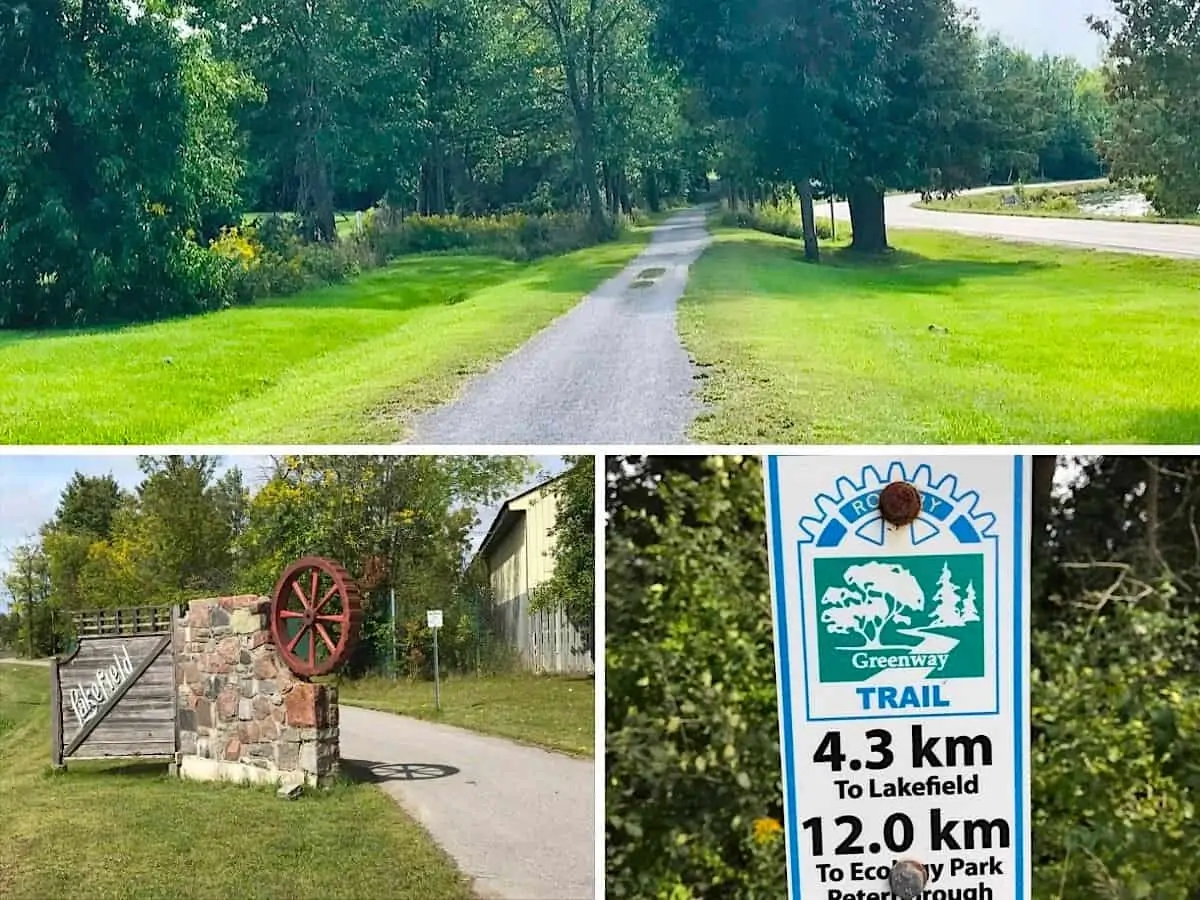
{"points": [[1152, 517], [812, 251], [867, 220], [653, 200]]}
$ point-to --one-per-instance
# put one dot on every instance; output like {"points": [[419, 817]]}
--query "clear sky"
{"points": [[31, 485], [1058, 27]]}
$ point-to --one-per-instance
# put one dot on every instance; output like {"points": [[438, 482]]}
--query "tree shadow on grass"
{"points": [[407, 283], [148, 769], [903, 271], [1166, 426]]}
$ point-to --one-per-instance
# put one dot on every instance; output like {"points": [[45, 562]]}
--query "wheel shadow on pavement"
{"points": [[377, 773]]}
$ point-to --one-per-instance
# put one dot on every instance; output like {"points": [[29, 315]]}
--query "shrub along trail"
{"points": [[610, 371]]}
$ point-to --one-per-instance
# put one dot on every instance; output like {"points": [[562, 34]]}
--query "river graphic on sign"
{"points": [[922, 615]]}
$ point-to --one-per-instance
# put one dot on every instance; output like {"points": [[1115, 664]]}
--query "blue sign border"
{"points": [[783, 662]]}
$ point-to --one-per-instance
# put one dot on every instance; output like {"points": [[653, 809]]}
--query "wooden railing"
{"points": [[132, 620]]}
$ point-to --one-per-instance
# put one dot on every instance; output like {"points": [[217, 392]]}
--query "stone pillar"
{"points": [[243, 716]]}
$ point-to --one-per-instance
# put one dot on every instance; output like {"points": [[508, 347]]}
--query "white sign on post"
{"points": [[902, 652], [433, 618]]}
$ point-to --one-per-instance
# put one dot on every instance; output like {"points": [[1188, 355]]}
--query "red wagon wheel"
{"points": [[316, 611]]}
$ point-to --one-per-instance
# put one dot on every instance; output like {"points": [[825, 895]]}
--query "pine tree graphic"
{"points": [[970, 613], [947, 600]]}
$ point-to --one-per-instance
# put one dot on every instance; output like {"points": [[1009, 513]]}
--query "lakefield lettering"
{"points": [[89, 696]]}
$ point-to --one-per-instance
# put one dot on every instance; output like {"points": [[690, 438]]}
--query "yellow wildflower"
{"points": [[765, 829]]}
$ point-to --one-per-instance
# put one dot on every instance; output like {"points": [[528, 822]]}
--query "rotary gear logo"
{"points": [[880, 611], [854, 510]]}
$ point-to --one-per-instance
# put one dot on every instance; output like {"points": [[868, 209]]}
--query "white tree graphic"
{"points": [[878, 594], [970, 612], [946, 614]]}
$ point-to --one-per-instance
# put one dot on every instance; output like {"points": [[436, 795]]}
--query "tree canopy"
{"points": [[132, 135], [401, 525]]}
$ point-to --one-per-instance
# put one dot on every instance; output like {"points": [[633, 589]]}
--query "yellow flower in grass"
{"points": [[765, 829]]}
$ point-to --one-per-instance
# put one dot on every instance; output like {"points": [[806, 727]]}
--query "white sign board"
{"points": [[902, 654], [433, 618]]}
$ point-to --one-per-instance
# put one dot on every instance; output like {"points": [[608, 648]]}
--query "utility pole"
{"points": [[393, 605]]}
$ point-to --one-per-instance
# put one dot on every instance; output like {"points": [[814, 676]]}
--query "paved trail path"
{"points": [[519, 820], [612, 370], [1148, 238]]}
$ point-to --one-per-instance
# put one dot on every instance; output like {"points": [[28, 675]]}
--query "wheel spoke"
{"points": [[328, 594], [312, 650], [339, 617], [299, 593], [290, 614], [291, 648], [325, 636], [312, 592]]}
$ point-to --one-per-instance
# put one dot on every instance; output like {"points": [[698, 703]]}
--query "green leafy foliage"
{"points": [[693, 797], [692, 746], [1151, 84], [516, 236]]}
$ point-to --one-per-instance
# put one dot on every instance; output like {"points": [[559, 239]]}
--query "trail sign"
{"points": [[433, 618], [902, 653]]}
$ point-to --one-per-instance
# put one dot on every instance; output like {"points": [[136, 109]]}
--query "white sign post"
{"points": [[902, 652], [433, 619]]}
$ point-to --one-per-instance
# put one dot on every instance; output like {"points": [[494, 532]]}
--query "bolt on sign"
{"points": [[901, 601]]}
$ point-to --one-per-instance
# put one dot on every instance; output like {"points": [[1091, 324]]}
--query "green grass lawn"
{"points": [[552, 711], [1044, 345], [342, 364], [126, 830], [991, 203]]}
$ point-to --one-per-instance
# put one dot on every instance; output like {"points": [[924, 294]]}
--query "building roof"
{"points": [[508, 517]]}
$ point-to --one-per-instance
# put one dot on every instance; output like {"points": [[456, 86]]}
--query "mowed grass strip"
{"points": [[552, 711], [342, 364], [1029, 344], [126, 830]]}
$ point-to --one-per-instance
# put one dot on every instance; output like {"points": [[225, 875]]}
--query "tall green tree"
{"points": [[28, 583], [94, 201], [1152, 71]]}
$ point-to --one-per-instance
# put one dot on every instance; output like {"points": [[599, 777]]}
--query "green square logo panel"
{"points": [[920, 614]]}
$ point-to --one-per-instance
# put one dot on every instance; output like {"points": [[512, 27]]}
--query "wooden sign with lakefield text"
{"points": [[114, 696], [902, 653]]}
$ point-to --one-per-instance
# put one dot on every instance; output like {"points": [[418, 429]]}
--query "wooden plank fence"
{"points": [[114, 695]]}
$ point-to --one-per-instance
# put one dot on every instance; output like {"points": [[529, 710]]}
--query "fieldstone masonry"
{"points": [[243, 715]]}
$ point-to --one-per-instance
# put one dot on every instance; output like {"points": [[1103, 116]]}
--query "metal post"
{"points": [[832, 217], [393, 603], [437, 675]]}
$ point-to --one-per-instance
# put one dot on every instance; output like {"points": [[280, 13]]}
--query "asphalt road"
{"points": [[610, 371], [518, 820], [1149, 238]]}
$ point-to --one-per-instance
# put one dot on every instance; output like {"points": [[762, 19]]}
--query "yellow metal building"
{"points": [[518, 552]]}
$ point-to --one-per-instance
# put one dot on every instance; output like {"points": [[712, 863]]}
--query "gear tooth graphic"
{"points": [[826, 505], [896, 472], [924, 473], [922, 478], [811, 527], [871, 476], [949, 484], [845, 487]]}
